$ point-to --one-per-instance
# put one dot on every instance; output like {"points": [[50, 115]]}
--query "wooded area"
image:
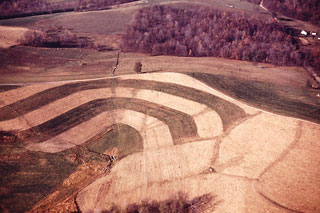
{"points": [[306, 10], [55, 37], [17, 8], [164, 30]]}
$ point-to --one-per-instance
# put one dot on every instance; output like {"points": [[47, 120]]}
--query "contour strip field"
{"points": [[246, 147]]}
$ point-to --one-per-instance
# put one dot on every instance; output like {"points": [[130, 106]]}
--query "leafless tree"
{"points": [[165, 30], [138, 67]]}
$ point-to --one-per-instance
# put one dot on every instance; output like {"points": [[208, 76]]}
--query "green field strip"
{"points": [[4, 88], [228, 112], [180, 124], [121, 136], [295, 102]]}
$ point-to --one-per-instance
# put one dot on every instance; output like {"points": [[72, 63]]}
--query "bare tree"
{"points": [[205, 34], [138, 67]]}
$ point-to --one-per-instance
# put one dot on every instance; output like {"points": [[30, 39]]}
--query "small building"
{"points": [[303, 32]]}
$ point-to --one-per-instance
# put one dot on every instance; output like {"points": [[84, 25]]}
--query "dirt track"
{"points": [[187, 128]]}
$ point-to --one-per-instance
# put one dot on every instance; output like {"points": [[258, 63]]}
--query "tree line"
{"points": [[55, 37], [18, 8], [165, 30], [85, 5]]}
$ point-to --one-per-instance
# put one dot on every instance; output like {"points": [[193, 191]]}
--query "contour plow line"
{"points": [[184, 124], [14, 95], [181, 125], [183, 79], [154, 137], [198, 111], [36, 101], [246, 151]]}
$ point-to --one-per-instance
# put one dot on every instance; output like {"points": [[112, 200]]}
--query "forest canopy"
{"points": [[16, 8], [306, 10], [165, 30]]}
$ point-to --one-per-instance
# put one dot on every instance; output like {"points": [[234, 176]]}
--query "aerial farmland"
{"points": [[159, 106]]}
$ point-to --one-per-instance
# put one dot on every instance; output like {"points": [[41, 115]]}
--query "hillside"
{"points": [[222, 117], [157, 125]]}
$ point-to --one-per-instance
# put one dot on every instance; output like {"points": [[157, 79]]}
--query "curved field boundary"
{"points": [[200, 112], [165, 109], [148, 170], [120, 139], [264, 96], [180, 124], [228, 112], [22, 92], [153, 137], [4, 88], [185, 79]]}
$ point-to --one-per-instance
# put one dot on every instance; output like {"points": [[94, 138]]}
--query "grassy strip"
{"points": [[288, 101], [123, 137], [180, 124], [228, 112], [8, 87]]}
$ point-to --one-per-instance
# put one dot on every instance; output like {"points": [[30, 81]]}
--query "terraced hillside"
{"points": [[171, 134]]}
